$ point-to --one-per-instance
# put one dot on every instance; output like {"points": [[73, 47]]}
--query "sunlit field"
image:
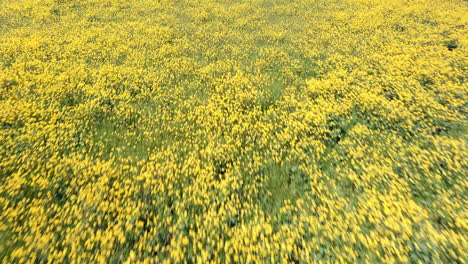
{"points": [[220, 131]]}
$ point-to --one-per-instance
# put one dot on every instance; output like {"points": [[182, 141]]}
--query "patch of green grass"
{"points": [[283, 183], [271, 95]]}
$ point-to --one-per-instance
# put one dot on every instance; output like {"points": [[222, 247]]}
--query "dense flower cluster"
{"points": [[263, 131]]}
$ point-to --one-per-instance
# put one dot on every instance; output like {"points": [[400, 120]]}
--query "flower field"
{"points": [[219, 131]]}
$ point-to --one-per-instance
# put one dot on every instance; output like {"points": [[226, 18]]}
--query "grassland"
{"points": [[216, 131]]}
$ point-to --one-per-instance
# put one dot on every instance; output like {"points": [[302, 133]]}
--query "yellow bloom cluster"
{"points": [[216, 131]]}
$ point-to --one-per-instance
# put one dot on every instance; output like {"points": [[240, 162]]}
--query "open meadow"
{"points": [[221, 131]]}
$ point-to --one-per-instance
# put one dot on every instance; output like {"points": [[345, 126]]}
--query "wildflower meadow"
{"points": [[221, 131]]}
